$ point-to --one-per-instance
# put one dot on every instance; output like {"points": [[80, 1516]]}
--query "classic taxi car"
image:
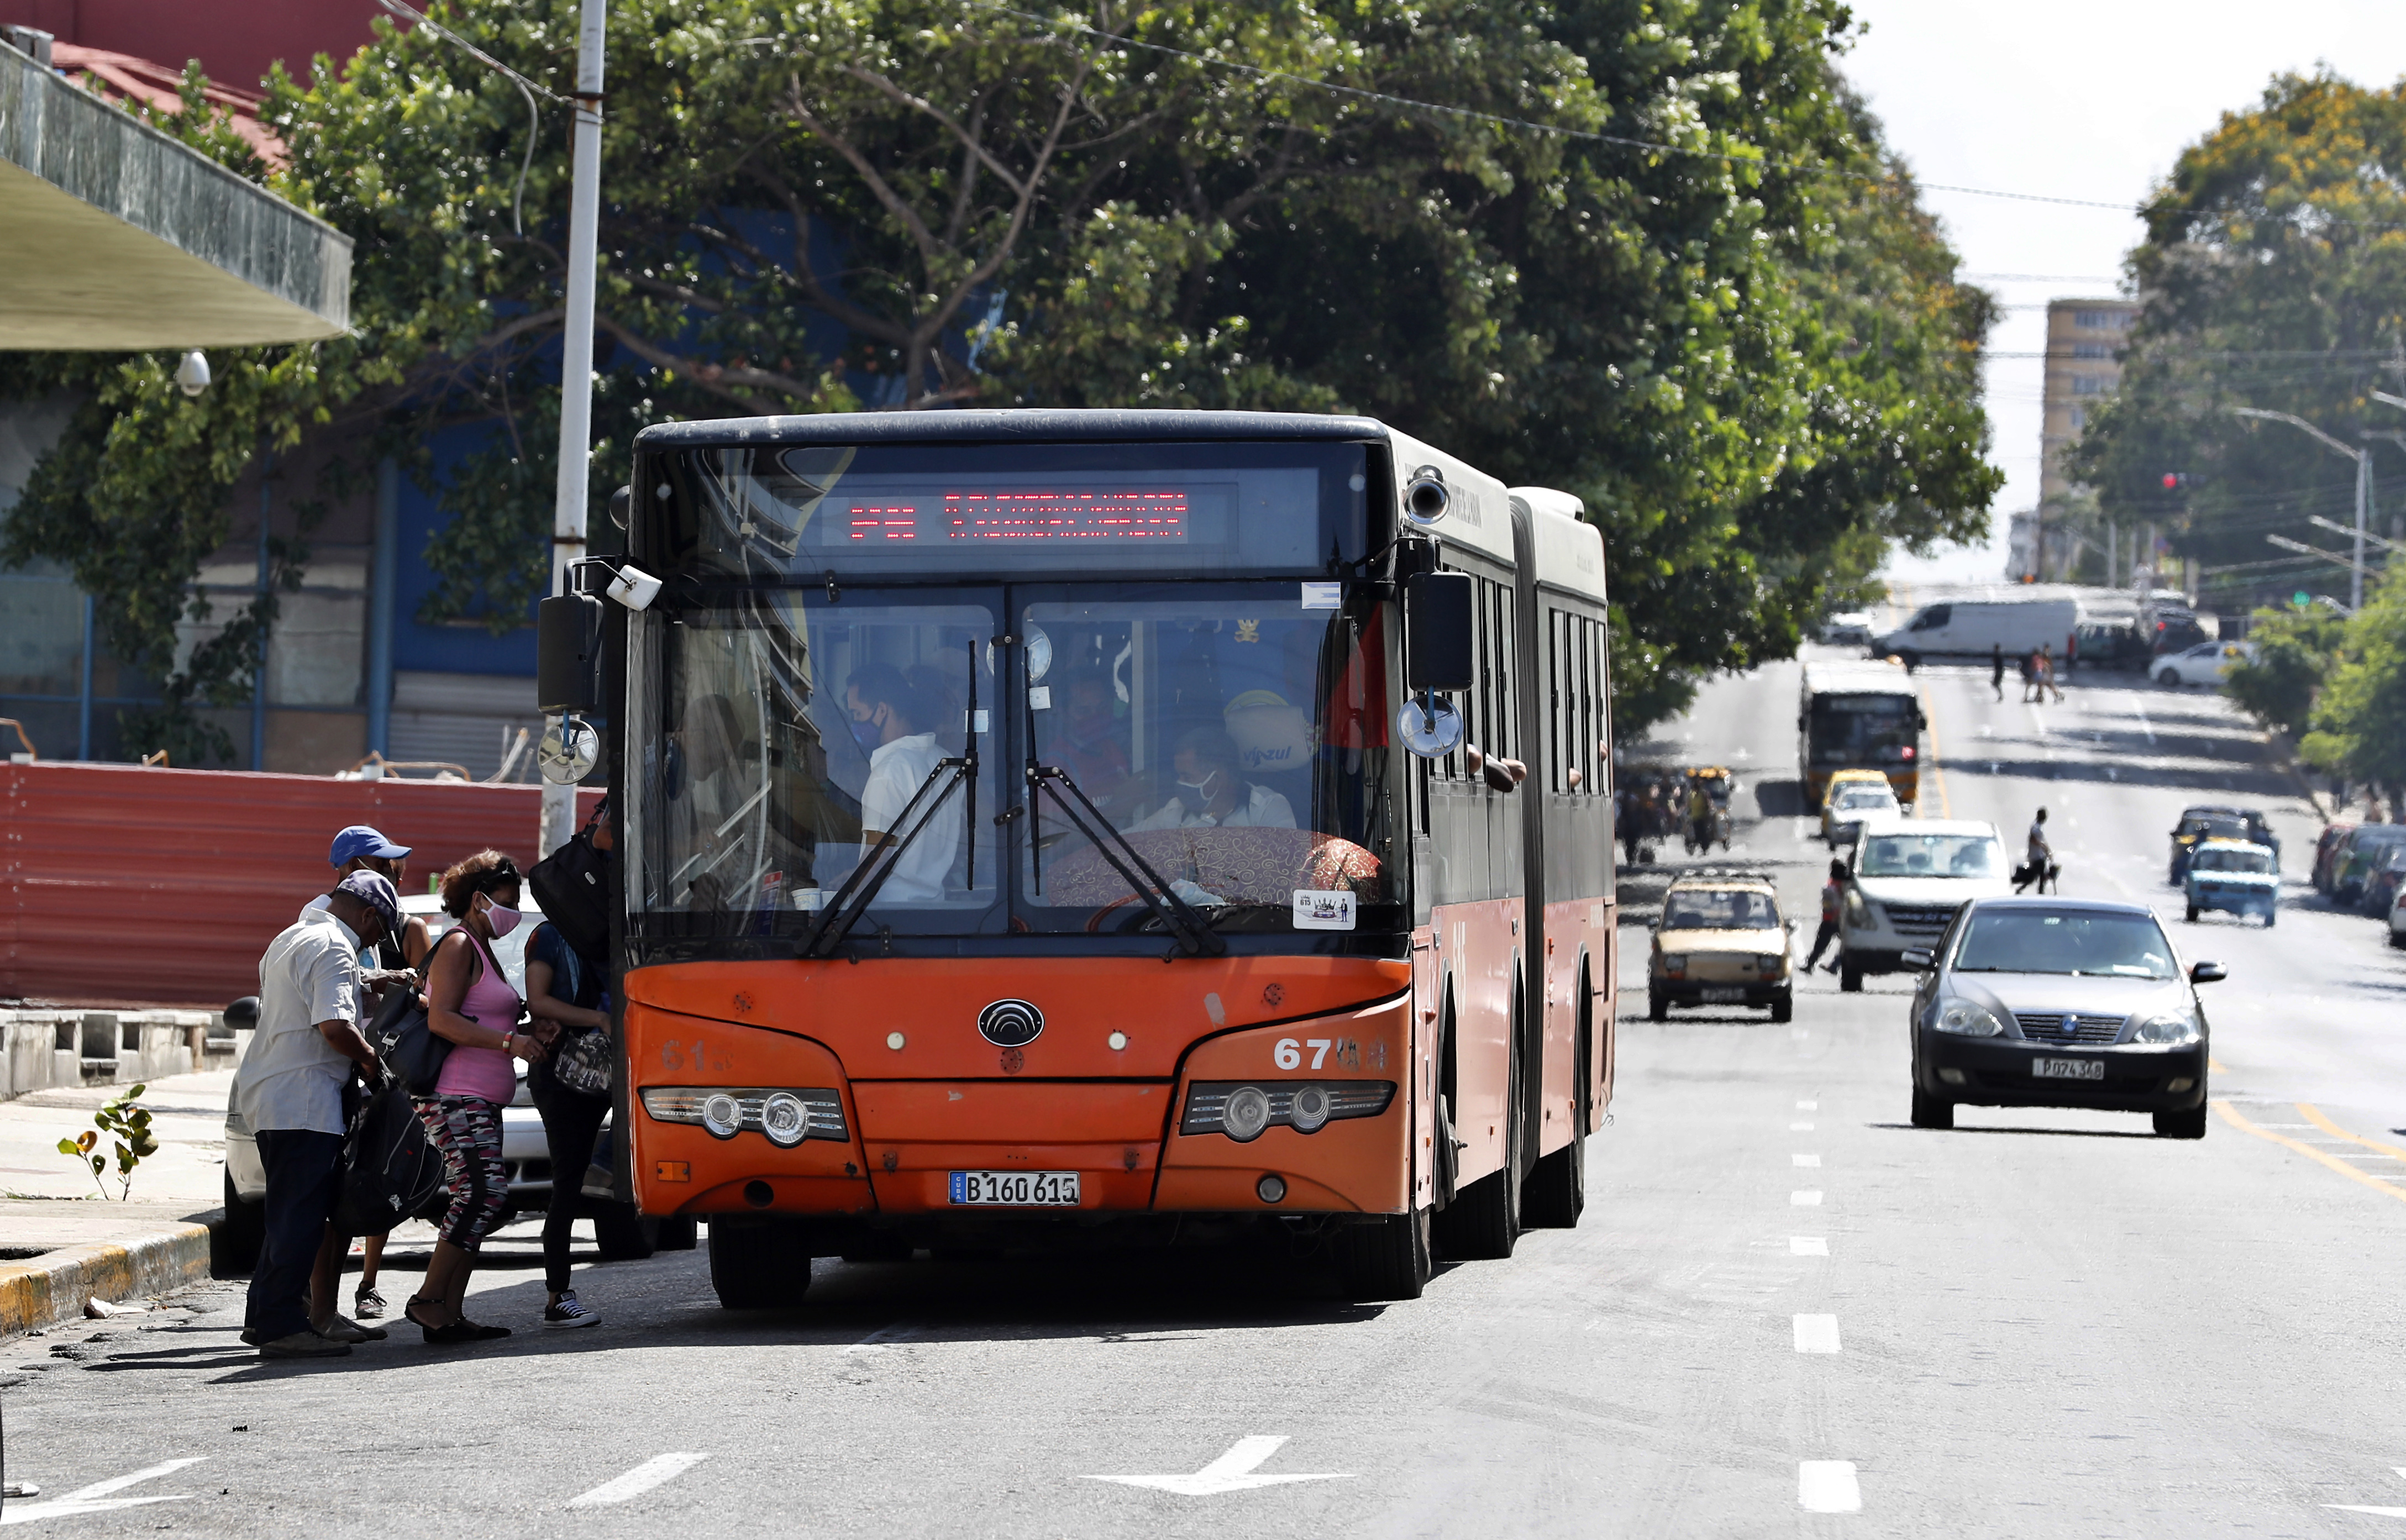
{"points": [[1721, 941], [2234, 876]]}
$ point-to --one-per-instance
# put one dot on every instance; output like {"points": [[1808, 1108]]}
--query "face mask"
{"points": [[865, 733], [504, 920], [1202, 789]]}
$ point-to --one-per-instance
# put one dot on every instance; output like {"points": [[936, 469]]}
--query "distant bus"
{"points": [[1859, 716], [1034, 823]]}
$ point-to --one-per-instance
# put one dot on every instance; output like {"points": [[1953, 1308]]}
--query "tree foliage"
{"points": [[1726, 323], [2274, 276], [2295, 651], [2359, 721]]}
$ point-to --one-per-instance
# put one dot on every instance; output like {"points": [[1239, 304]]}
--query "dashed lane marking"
{"points": [[1817, 1333], [1808, 1245], [2233, 1117], [1809, 1107], [1805, 1200], [1828, 1485], [660, 1469], [2315, 1115], [1805, 1162], [1232, 1472], [1799, 1128]]}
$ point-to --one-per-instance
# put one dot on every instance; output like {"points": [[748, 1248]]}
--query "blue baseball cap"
{"points": [[358, 841]]}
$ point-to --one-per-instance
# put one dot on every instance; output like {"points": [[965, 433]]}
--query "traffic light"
{"points": [[2176, 480], [2301, 598]]}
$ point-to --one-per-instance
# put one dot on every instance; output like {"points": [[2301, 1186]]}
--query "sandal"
{"points": [[441, 1336]]}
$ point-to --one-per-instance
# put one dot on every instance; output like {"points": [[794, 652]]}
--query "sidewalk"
{"points": [[62, 1243]]}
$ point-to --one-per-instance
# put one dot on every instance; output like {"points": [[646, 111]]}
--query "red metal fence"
{"points": [[125, 885]]}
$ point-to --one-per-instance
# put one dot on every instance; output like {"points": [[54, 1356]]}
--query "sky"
{"points": [[2093, 99]]}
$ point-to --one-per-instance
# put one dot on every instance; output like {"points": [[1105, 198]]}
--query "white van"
{"points": [[1970, 629]]}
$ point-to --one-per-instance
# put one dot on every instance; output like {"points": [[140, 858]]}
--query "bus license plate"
{"points": [[1016, 1189], [2071, 1069]]}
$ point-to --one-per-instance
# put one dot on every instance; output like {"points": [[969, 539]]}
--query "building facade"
{"points": [[2085, 338]]}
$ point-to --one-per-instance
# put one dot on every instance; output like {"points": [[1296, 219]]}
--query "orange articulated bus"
{"points": [[1034, 823]]}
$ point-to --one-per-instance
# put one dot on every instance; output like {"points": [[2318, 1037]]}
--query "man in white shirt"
{"points": [[1208, 794], [887, 716], [2039, 857], [288, 1091]]}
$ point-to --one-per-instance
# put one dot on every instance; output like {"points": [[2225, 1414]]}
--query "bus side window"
{"points": [[1558, 700], [1479, 733], [1508, 736]]}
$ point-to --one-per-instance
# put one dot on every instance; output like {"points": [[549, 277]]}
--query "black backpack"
{"points": [[390, 1173], [573, 885]]}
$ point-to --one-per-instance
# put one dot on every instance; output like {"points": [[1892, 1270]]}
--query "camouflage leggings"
{"points": [[467, 1132]]}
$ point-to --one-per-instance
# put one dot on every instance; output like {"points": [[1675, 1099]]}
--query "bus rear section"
{"points": [[1865, 716], [1019, 845]]}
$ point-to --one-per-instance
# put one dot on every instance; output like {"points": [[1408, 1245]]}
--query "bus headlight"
{"points": [[786, 1119], [1309, 1110], [722, 1116], [1246, 1113]]}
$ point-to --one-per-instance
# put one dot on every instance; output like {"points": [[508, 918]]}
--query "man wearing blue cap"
{"points": [[288, 1089], [363, 847]]}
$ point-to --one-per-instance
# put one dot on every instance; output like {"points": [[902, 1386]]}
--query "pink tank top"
{"points": [[484, 1072]]}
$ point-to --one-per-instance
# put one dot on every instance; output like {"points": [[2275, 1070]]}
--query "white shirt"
{"points": [[897, 770], [292, 1076], [1261, 808], [319, 905], [2038, 846]]}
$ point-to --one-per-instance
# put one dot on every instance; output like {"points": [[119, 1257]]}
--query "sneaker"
{"points": [[303, 1344], [343, 1329], [367, 1305], [568, 1312]]}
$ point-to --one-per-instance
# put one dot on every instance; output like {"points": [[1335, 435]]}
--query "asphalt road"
{"points": [[1783, 1298]]}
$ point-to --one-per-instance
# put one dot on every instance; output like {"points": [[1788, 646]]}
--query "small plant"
{"points": [[128, 1123]]}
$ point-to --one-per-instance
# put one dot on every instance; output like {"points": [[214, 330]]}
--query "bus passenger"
{"points": [[893, 724], [1088, 745], [1209, 795]]}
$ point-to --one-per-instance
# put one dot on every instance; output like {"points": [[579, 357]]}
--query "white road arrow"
{"points": [[1232, 1472], [96, 1499]]}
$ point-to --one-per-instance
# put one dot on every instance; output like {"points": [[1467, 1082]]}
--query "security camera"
{"points": [[634, 587], [192, 375]]}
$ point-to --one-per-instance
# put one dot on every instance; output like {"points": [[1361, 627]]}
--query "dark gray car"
{"points": [[2053, 1002]]}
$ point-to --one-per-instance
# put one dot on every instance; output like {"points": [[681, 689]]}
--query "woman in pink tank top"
{"points": [[471, 1005]]}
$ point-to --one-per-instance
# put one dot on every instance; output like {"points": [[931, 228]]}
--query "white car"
{"points": [[2204, 664], [1904, 881], [1851, 628]]}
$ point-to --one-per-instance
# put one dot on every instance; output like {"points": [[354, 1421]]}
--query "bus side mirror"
{"points": [[568, 654], [1437, 631]]}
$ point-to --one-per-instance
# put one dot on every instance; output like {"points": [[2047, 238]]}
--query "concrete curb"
{"points": [[54, 1286]]}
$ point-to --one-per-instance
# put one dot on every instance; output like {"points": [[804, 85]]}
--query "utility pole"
{"points": [[2363, 458], [576, 362]]}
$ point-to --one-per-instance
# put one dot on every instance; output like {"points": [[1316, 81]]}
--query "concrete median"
{"points": [[140, 1262]]}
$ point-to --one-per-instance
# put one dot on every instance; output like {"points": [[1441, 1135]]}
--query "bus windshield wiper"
{"points": [[859, 890], [1194, 933]]}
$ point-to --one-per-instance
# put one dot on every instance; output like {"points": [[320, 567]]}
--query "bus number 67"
{"points": [[1288, 1054]]}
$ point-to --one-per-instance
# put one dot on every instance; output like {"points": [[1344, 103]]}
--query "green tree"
{"points": [[2295, 653], [2359, 722], [2274, 276]]}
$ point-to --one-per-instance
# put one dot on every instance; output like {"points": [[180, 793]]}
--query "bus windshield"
{"points": [[1231, 735], [1862, 729]]}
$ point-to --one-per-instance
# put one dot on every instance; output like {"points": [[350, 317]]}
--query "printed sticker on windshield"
{"points": [[1318, 910], [1324, 596]]}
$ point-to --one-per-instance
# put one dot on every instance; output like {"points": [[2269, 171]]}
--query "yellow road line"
{"points": [[1930, 764], [2215, 1065], [2314, 1115], [2344, 1169]]}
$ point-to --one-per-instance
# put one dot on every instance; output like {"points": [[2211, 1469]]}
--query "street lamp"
{"points": [[2363, 458]]}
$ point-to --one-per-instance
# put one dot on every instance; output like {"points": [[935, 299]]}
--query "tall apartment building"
{"points": [[2083, 337]]}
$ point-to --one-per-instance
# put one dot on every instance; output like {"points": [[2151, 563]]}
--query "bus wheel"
{"points": [[680, 1233], [1557, 1191], [1483, 1220], [622, 1234], [1389, 1258], [762, 1265]]}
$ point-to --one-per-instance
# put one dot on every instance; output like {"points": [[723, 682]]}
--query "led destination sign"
{"points": [[1156, 517]]}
